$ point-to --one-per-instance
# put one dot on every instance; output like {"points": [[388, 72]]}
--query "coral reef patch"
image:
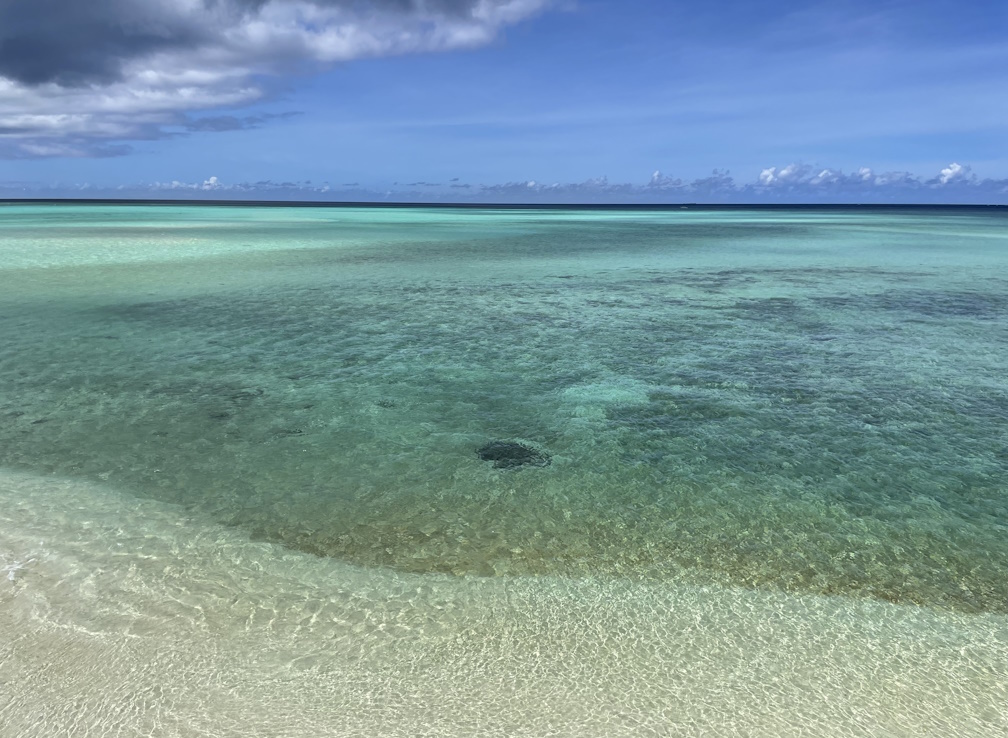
{"points": [[512, 454]]}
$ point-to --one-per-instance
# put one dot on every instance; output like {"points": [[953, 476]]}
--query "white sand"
{"points": [[126, 617]]}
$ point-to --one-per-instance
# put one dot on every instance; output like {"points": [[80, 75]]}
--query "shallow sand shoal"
{"points": [[122, 616]]}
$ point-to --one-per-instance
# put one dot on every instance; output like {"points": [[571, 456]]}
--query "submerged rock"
{"points": [[511, 454]]}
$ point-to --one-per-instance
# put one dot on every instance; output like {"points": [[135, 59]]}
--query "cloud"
{"points": [[218, 123], [954, 183], [660, 183], [791, 184], [787, 175], [211, 188], [69, 147], [122, 69], [954, 173]]}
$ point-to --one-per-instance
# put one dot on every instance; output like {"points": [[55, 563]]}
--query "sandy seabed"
{"points": [[130, 617]]}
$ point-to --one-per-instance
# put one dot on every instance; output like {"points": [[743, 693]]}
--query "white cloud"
{"points": [[788, 174], [793, 183], [801, 183], [953, 173], [83, 73], [660, 182], [826, 176]]}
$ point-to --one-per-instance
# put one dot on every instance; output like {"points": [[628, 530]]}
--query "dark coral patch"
{"points": [[511, 455]]}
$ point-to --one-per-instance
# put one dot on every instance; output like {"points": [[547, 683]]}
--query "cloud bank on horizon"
{"points": [[793, 184], [78, 78]]}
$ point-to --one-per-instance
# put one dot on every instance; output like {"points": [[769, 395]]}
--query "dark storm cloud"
{"points": [[78, 42], [69, 42]]}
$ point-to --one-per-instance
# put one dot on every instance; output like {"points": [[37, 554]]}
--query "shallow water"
{"points": [[756, 482], [125, 616], [809, 401]]}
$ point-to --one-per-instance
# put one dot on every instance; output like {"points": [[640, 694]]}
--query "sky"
{"points": [[506, 100]]}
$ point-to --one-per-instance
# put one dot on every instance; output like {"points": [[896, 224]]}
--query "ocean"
{"points": [[433, 471]]}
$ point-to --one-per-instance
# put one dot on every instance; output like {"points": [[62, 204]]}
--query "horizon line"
{"points": [[487, 205]]}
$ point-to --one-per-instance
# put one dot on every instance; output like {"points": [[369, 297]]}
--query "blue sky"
{"points": [[889, 100]]}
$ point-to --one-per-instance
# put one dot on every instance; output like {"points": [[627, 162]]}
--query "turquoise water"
{"points": [[808, 401]]}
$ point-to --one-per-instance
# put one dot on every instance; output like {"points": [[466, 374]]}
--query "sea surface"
{"points": [[418, 471]]}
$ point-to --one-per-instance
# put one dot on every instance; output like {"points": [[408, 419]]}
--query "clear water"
{"points": [[810, 402], [125, 616]]}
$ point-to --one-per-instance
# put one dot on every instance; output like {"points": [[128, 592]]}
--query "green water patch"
{"points": [[571, 410]]}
